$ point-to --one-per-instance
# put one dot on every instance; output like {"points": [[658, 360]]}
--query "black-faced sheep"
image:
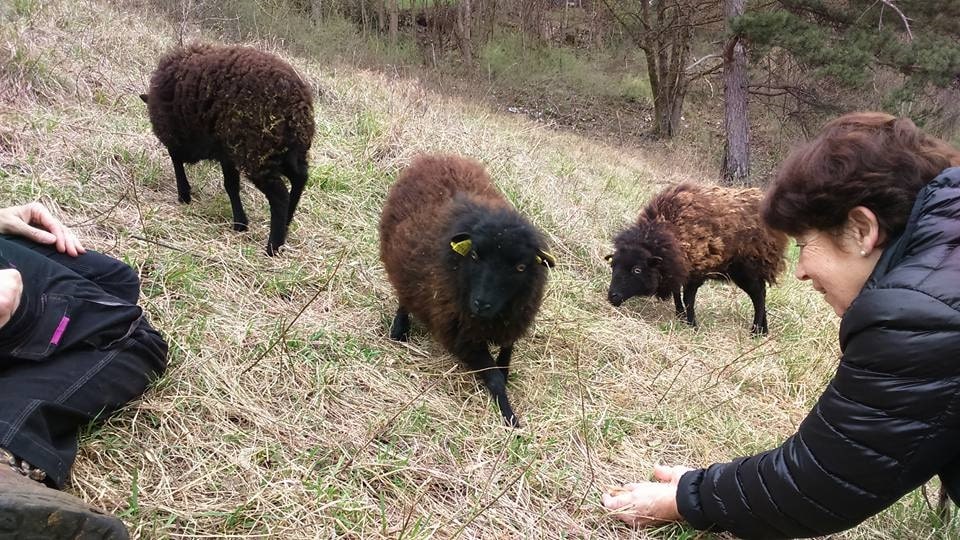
{"points": [[464, 262], [245, 108], [688, 234]]}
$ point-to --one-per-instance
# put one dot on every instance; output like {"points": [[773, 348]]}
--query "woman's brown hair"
{"points": [[866, 159]]}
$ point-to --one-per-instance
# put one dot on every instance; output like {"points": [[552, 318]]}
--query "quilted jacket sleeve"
{"points": [[887, 422]]}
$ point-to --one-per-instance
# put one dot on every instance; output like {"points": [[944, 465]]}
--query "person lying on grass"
{"points": [[74, 347]]}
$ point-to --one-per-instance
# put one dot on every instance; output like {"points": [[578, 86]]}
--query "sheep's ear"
{"points": [[143, 97], [609, 259], [546, 259], [461, 243]]}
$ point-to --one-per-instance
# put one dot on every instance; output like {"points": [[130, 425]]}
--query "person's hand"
{"points": [[647, 503], [34, 222], [11, 287]]}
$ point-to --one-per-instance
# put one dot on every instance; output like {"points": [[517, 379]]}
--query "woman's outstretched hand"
{"points": [[34, 222], [647, 503]]}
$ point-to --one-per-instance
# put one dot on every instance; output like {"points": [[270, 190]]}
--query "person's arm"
{"points": [[34, 222], [887, 422]]}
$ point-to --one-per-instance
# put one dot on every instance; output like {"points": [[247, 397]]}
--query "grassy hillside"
{"points": [[287, 412]]}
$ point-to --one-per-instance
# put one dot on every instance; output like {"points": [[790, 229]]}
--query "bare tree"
{"points": [[736, 124], [664, 31], [463, 30], [381, 16], [394, 11]]}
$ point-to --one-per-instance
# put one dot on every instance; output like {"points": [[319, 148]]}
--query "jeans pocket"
{"points": [[52, 320], [62, 321]]}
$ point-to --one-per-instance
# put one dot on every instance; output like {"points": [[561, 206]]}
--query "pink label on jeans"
{"points": [[58, 333]]}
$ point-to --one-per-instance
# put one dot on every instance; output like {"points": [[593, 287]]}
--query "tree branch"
{"points": [[906, 23], [704, 59]]}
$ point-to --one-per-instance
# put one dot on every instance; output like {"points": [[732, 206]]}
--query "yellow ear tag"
{"points": [[546, 258], [462, 247]]}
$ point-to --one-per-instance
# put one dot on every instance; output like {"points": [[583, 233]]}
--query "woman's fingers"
{"points": [[646, 503], [47, 229], [40, 218], [72, 243], [669, 473], [621, 506]]}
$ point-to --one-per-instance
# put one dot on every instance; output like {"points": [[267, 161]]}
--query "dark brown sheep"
{"points": [[248, 110], [688, 234], [464, 262]]}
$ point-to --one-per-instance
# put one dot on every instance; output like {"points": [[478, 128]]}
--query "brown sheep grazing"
{"points": [[463, 262], [688, 234], [248, 110]]}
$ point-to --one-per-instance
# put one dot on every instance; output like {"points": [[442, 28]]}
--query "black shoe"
{"points": [[30, 510]]}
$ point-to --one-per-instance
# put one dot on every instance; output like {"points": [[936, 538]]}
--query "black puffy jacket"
{"points": [[890, 418]]}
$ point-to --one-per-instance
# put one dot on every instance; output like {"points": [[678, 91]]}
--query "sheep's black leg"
{"points": [[297, 172], [678, 305], [689, 298], [503, 360], [279, 198], [478, 359], [756, 288], [183, 187], [231, 183], [400, 329]]}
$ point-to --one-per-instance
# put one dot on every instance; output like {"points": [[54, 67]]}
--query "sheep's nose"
{"points": [[615, 298], [480, 307]]}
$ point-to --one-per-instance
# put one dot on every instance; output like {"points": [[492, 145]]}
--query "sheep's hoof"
{"points": [[399, 334], [239, 227], [183, 199], [758, 332], [272, 251]]}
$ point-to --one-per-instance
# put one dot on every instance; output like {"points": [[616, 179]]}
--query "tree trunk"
{"points": [[464, 24], [666, 46], [364, 21], [394, 20], [736, 124], [491, 15], [597, 26], [316, 10], [381, 17]]}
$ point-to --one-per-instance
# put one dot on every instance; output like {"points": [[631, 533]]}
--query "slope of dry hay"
{"points": [[286, 411]]}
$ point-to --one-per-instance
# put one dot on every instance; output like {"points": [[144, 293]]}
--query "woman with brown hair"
{"points": [[874, 206]]}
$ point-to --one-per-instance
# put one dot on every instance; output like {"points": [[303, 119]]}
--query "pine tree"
{"points": [[848, 44]]}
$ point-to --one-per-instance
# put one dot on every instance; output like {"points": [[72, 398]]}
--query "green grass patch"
{"points": [[517, 61]]}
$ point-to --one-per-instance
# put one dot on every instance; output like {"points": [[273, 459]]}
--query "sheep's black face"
{"points": [[498, 261], [636, 272]]}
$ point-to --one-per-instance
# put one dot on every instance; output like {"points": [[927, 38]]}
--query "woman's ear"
{"points": [[864, 227]]}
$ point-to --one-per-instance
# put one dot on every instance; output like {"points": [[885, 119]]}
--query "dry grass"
{"points": [[272, 423]]}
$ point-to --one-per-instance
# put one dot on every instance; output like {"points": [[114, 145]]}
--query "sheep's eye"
{"points": [[474, 256], [521, 267], [637, 270]]}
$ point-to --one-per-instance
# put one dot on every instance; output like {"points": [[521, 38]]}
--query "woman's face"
{"points": [[836, 266]]}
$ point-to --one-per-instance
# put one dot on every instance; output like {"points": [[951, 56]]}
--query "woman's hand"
{"points": [[11, 287], [34, 222], [647, 503]]}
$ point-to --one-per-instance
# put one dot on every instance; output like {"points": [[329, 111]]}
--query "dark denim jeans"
{"points": [[77, 349]]}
